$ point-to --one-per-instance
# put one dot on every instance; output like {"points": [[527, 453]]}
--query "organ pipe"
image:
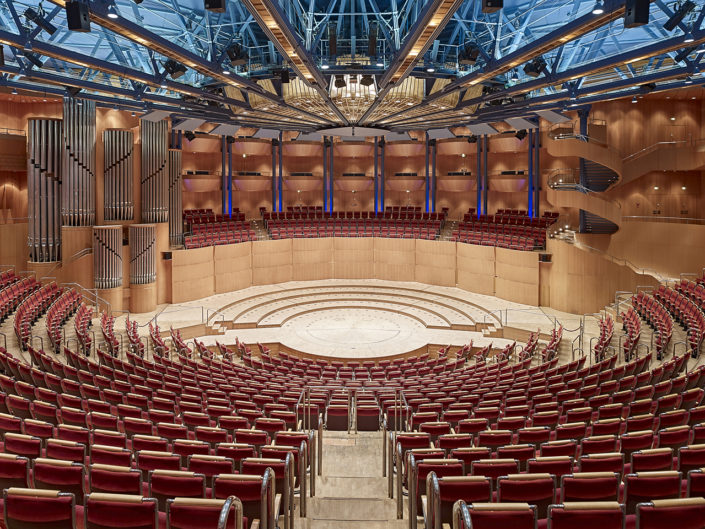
{"points": [[118, 148], [143, 268], [44, 146], [155, 171], [176, 223], [107, 256], [78, 178]]}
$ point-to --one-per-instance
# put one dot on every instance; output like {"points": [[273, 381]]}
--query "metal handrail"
{"points": [[461, 515], [651, 147], [656, 218], [230, 502], [623, 262]]}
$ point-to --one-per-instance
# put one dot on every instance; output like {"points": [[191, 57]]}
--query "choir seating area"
{"points": [[205, 228], [508, 228]]}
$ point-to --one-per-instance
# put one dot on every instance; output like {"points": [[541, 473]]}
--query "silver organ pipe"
{"points": [[107, 256], [143, 268], [118, 148], [176, 223], [79, 138], [44, 171], [155, 171]]}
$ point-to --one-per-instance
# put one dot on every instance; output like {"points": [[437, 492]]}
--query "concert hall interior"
{"points": [[380, 264]]}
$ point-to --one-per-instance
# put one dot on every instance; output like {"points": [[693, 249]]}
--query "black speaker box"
{"points": [[636, 13], [78, 17]]}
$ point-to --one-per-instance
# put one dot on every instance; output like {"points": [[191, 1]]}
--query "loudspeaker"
{"points": [[332, 40], [372, 41], [78, 17], [215, 5], [490, 6], [636, 13]]}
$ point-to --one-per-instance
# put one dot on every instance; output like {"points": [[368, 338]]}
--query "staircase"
{"points": [[352, 493], [596, 177]]}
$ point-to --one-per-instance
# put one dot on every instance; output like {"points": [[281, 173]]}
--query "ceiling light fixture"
{"points": [[324, 66], [598, 8], [689, 80], [339, 81], [688, 37], [430, 69], [634, 100], [112, 12]]}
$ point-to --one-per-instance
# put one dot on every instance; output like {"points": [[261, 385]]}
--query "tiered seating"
{"points": [[59, 312], [158, 344], [603, 341], [658, 318], [506, 229], [14, 293], [136, 345], [687, 313], [530, 347], [551, 350], [7, 278], [82, 324], [31, 308], [632, 329], [195, 217], [179, 343], [225, 232], [394, 222], [107, 327]]}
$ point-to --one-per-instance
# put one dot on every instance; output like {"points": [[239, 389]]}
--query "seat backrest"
{"points": [[114, 479], [684, 513], [191, 513], [38, 509], [496, 515], [648, 486], [54, 474], [587, 515], [534, 489], [14, 471], [590, 486], [102, 511]]}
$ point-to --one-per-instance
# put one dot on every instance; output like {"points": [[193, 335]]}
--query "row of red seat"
{"points": [[687, 313], [268, 216], [658, 319], [215, 239], [107, 327], [632, 328], [59, 312], [82, 323], [14, 293], [605, 337], [136, 344], [31, 308], [494, 239], [206, 216]]}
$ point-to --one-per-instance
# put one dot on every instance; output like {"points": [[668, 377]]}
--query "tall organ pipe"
{"points": [[155, 171], [143, 268], [176, 223], [117, 170], [107, 256], [79, 138], [44, 171]]}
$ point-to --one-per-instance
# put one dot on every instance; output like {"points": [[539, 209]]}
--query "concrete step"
{"points": [[352, 509]]}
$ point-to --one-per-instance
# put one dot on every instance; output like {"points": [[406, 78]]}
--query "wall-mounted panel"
{"points": [[353, 258], [436, 262], [312, 259], [475, 268], [517, 276], [271, 262], [232, 267], [395, 259], [192, 274]]}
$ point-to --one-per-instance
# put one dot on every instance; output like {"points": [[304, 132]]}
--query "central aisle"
{"points": [[352, 493]]}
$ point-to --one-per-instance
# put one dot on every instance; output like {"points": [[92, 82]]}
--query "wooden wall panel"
{"points": [[312, 259], [517, 276], [192, 274], [476, 268], [353, 258], [232, 267], [164, 293], [271, 262], [436, 263], [395, 259], [13, 250]]}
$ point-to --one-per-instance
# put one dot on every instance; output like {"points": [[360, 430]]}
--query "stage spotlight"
{"points": [[229, 139], [174, 69], [237, 55], [636, 13], [472, 139], [520, 134], [468, 54], [367, 80], [40, 20], [688, 37], [685, 8], [535, 67], [598, 8], [339, 81], [112, 12], [648, 87], [689, 80], [190, 136], [73, 91]]}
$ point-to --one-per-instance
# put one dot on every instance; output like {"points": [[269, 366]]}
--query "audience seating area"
{"points": [[204, 228], [407, 223], [508, 228]]}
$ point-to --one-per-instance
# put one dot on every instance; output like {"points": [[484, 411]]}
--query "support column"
{"points": [[382, 180], [280, 181], [176, 217], [78, 174], [274, 174], [44, 147], [325, 174], [537, 172], [223, 176], [427, 185], [376, 150], [433, 175], [486, 178], [583, 115], [230, 179], [478, 176], [330, 176], [530, 181]]}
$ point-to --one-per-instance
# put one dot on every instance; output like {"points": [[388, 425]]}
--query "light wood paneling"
{"points": [[113, 296], [271, 262], [395, 259], [312, 259], [143, 298], [13, 250], [353, 258], [233, 267], [192, 274], [517, 276], [164, 294], [476, 268], [436, 263]]}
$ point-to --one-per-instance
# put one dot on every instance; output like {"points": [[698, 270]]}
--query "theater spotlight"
{"points": [[468, 54], [535, 67], [190, 136], [237, 55], [229, 139], [174, 69], [520, 134], [40, 20], [367, 80], [339, 81], [677, 17]]}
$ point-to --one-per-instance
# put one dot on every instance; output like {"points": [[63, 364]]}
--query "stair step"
{"points": [[351, 509], [351, 486]]}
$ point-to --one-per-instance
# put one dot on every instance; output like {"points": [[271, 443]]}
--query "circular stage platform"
{"points": [[352, 319]]}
